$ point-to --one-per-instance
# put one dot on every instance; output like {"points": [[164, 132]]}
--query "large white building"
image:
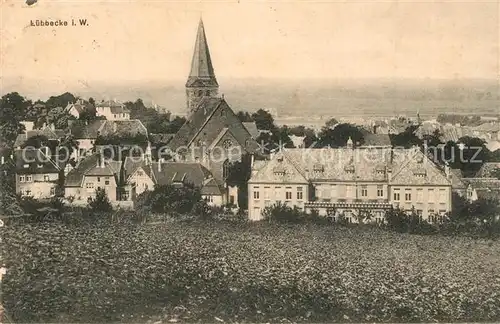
{"points": [[349, 180]]}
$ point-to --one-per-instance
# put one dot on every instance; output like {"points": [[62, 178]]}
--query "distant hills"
{"points": [[290, 99]]}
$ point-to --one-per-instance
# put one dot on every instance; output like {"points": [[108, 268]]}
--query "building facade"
{"points": [[350, 181], [112, 110]]}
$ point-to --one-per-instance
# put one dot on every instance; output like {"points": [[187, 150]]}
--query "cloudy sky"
{"points": [[153, 40]]}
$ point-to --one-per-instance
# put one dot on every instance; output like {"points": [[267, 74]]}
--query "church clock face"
{"points": [[226, 144]]}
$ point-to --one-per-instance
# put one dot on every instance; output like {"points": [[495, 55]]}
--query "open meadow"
{"points": [[214, 272]]}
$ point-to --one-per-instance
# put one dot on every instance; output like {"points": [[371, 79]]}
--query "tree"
{"points": [[239, 174], [100, 202], [244, 116], [12, 111], [67, 146], [59, 117], [263, 119], [175, 125], [60, 101], [407, 138], [473, 155], [332, 122], [339, 136]]}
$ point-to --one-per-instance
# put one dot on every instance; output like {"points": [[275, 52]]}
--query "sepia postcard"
{"points": [[249, 161]]}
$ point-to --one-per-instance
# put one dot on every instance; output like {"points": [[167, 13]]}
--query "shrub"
{"points": [[101, 201], [281, 213], [173, 200]]}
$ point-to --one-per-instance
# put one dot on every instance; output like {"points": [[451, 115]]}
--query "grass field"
{"points": [[215, 272]]}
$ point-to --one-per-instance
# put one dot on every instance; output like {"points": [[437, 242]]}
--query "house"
{"points": [[488, 188], [38, 173], [87, 134], [346, 181], [142, 175], [77, 108], [112, 110], [93, 172], [50, 132]]}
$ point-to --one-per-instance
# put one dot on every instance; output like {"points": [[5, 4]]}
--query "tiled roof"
{"points": [[119, 110], [89, 131], [487, 169], [408, 166], [51, 134], [34, 161], [90, 167], [109, 127], [482, 183], [161, 138], [111, 104], [493, 146], [377, 140], [182, 172], [80, 106], [456, 179], [195, 122], [131, 164], [252, 129], [200, 118], [75, 177], [117, 127], [488, 127]]}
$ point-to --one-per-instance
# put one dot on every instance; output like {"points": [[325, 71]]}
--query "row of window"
{"points": [[29, 178], [442, 195], [347, 191], [28, 192], [278, 193], [39, 165]]}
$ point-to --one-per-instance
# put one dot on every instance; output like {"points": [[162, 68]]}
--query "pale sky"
{"points": [[154, 40]]}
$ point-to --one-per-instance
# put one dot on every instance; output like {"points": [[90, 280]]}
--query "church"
{"points": [[212, 135]]}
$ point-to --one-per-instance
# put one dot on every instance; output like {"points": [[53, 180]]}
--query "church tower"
{"points": [[201, 81]]}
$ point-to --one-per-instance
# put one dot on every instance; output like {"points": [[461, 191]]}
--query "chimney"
{"points": [[374, 129], [447, 171], [46, 151], [3, 160], [159, 164], [52, 127], [251, 161], [101, 160], [350, 143]]}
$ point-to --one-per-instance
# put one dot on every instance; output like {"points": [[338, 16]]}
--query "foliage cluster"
{"points": [[208, 272]]}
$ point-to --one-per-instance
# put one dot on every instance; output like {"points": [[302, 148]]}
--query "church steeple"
{"points": [[201, 81]]}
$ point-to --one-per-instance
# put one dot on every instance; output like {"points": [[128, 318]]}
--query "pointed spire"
{"points": [[201, 64]]}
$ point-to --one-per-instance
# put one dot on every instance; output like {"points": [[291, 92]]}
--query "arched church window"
{"points": [[225, 169]]}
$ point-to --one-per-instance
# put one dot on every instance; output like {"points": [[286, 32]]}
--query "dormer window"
{"points": [[318, 168], [40, 165], [279, 170], [349, 169], [420, 173], [26, 166]]}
